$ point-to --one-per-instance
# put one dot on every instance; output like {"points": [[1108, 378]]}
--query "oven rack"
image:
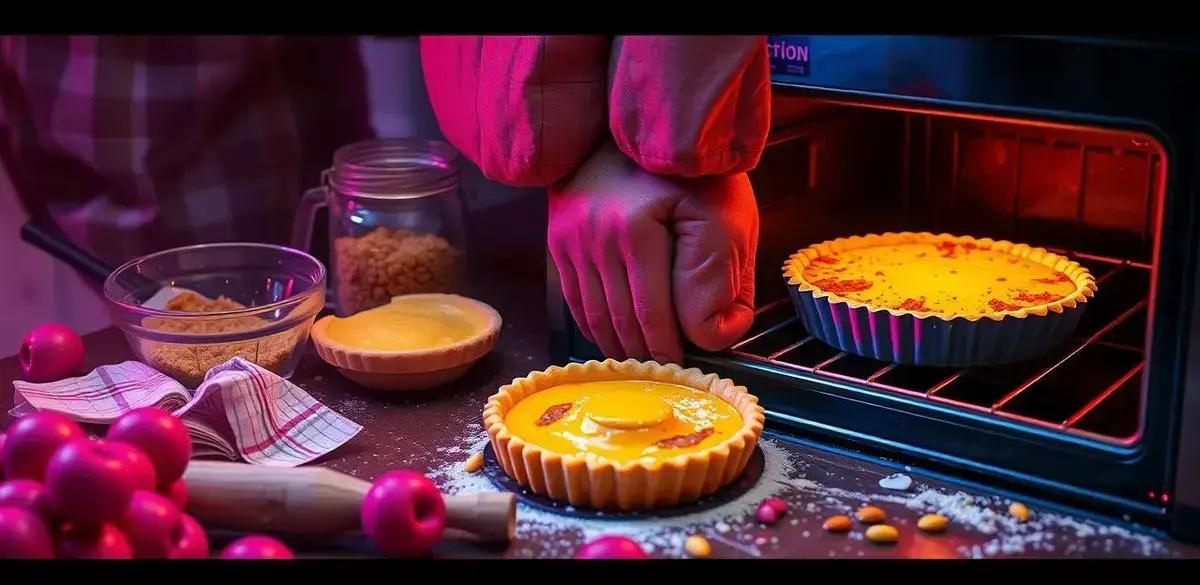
{"points": [[1090, 387]]}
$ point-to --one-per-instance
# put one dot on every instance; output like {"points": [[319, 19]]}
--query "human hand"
{"points": [[642, 256]]}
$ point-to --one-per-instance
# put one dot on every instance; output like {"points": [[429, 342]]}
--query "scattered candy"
{"points": [[149, 524], [1019, 511], [896, 481], [257, 547], [31, 441], [778, 505], [766, 514], [870, 515], [882, 534], [933, 523], [90, 482], [51, 352], [23, 535], [837, 523], [474, 463], [161, 436], [697, 547], [611, 547], [403, 514], [105, 542]]}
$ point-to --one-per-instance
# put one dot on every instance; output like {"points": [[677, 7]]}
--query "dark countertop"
{"points": [[434, 432]]}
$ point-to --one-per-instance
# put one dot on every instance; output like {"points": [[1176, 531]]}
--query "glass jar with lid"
{"points": [[396, 221]]}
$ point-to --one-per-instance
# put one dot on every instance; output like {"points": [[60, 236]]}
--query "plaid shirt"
{"points": [[133, 144]]}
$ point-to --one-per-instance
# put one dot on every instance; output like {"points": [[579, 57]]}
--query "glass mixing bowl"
{"points": [[254, 301]]}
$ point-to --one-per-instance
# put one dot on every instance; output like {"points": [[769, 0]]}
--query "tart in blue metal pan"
{"points": [[937, 299]]}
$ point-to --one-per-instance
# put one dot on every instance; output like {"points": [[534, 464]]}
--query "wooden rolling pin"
{"points": [[318, 501]]}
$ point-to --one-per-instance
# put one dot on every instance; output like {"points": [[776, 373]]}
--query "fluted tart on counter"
{"points": [[623, 435]]}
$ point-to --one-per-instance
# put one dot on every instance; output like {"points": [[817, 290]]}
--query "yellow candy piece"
{"points": [[882, 534], [474, 463], [933, 523], [697, 547]]}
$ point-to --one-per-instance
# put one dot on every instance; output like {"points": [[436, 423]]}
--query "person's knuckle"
{"points": [[595, 318], [627, 325], [643, 307]]}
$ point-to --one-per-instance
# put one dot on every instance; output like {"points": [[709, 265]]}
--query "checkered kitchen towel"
{"points": [[240, 411]]}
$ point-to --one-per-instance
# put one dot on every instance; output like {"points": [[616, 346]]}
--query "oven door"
{"points": [[1022, 139]]}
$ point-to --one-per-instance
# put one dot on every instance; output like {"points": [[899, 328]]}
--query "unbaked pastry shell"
{"points": [[411, 370]]}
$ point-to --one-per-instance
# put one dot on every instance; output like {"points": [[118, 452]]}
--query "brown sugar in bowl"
{"points": [[186, 310]]}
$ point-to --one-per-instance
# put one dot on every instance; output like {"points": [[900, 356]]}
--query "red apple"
{"points": [[190, 540], [611, 547], [150, 524], [23, 535], [51, 352], [161, 436], [90, 482], [30, 495], [31, 441], [21, 493], [178, 494], [104, 542], [257, 547], [140, 466], [403, 514]]}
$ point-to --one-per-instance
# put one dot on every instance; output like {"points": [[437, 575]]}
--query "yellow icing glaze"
{"points": [[628, 410], [407, 324], [940, 277], [623, 420]]}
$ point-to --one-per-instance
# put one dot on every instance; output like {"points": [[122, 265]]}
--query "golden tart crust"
{"points": [[411, 368], [591, 480], [1021, 326], [1079, 282]]}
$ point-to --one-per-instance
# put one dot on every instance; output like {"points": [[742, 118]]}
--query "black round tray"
{"points": [[749, 477]]}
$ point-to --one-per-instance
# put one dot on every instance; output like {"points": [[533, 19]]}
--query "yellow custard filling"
{"points": [[623, 420], [938, 277], [407, 324]]}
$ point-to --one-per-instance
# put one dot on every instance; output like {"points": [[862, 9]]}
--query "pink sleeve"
{"points": [[690, 105], [527, 110]]}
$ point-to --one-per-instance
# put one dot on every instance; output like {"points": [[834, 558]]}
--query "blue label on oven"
{"points": [[789, 55]]}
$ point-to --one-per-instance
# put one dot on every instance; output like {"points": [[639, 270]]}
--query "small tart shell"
{"points": [[410, 370], [593, 481], [934, 338]]}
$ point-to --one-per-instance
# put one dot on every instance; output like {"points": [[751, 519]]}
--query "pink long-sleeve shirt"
{"points": [[528, 110]]}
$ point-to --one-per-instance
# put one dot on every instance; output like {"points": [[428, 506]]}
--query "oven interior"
{"points": [[1073, 422], [841, 170]]}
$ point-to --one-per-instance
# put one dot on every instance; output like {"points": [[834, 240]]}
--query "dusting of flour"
{"points": [[560, 536], [788, 475]]}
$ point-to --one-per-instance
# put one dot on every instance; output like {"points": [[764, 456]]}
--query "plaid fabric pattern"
{"points": [[138, 143], [240, 411], [104, 395]]}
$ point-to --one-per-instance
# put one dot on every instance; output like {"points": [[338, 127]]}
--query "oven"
{"points": [[1084, 146]]}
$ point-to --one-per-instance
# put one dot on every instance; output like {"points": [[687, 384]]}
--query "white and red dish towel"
{"points": [[239, 412]]}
